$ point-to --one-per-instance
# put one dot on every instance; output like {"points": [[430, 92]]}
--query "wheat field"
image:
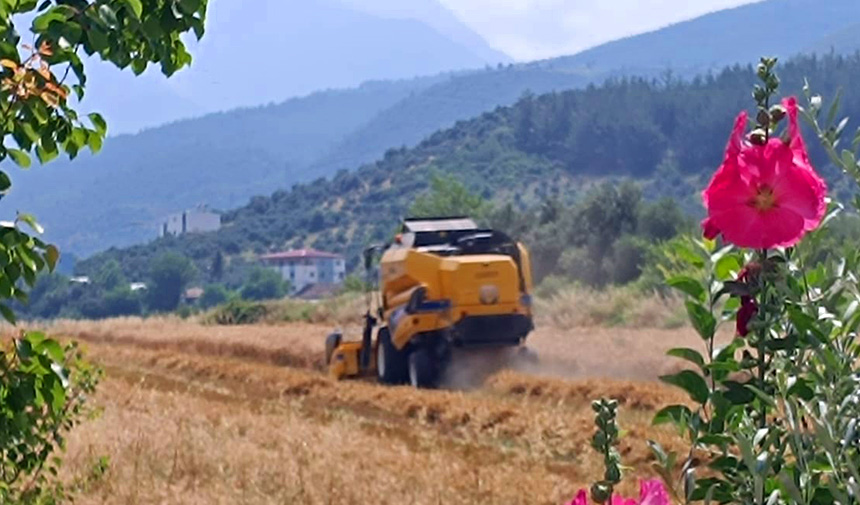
{"points": [[194, 414]]}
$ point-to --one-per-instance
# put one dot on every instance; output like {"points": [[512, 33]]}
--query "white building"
{"points": [[200, 219], [307, 267]]}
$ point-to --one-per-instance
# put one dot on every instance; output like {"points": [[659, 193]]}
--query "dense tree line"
{"points": [[666, 133]]}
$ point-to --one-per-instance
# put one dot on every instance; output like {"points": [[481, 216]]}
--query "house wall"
{"points": [[303, 272], [201, 222], [191, 222]]}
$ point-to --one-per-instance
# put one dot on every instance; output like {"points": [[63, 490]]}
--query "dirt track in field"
{"points": [[179, 394]]}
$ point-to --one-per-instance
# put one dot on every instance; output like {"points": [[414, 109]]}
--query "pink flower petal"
{"points": [[652, 492]]}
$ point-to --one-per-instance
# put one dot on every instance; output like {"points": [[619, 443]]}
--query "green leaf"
{"points": [[671, 414], [736, 393], [52, 349], [99, 123], [849, 159], [94, 141], [20, 158], [688, 354], [726, 267], [5, 182], [688, 285], [703, 321], [764, 397], [8, 315], [691, 382], [135, 6], [52, 256], [98, 39], [31, 221]]}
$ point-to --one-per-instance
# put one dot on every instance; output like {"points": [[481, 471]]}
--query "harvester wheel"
{"points": [[422, 369], [331, 343], [390, 362]]}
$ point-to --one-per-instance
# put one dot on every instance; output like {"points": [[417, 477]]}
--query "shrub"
{"points": [[237, 312]]}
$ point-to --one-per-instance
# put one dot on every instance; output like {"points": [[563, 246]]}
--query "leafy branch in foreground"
{"points": [[43, 386]]}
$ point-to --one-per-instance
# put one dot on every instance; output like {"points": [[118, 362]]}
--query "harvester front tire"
{"points": [[390, 362], [422, 369]]}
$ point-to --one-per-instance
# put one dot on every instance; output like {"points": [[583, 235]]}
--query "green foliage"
{"points": [[355, 284], [776, 409], [448, 197], [121, 301], [602, 239], [110, 276], [354, 208], [238, 312], [264, 284], [43, 391], [214, 294], [169, 275], [43, 386], [605, 441]]}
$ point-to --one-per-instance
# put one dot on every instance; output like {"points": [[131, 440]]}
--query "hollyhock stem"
{"points": [[762, 334]]}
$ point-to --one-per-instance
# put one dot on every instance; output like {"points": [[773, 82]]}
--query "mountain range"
{"points": [[542, 151], [119, 197]]}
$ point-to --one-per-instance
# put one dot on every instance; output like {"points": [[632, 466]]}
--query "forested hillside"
{"points": [[668, 135], [119, 197]]}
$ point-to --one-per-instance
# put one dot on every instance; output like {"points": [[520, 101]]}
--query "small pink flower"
{"points": [[765, 196], [581, 498], [651, 492]]}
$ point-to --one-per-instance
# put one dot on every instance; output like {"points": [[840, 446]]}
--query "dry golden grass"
{"points": [[576, 307], [200, 414]]}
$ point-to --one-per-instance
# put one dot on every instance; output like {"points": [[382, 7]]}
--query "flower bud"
{"points": [[595, 406], [758, 137], [777, 112], [612, 474], [762, 70], [600, 492], [763, 118]]}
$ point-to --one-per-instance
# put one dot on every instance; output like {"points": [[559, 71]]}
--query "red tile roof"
{"points": [[300, 253]]}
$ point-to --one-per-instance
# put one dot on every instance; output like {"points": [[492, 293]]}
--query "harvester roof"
{"points": [[437, 224]]}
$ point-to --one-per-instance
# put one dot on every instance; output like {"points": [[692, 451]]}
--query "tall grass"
{"points": [[627, 306]]}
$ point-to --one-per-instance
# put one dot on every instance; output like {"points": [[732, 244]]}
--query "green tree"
{"points": [[447, 196], [121, 301], [214, 294], [218, 266], [110, 276], [264, 284], [43, 386], [169, 275]]}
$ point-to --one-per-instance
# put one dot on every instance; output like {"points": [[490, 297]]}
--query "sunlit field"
{"points": [[190, 413]]}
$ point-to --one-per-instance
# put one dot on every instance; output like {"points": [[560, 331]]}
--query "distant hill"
{"points": [[267, 51], [118, 197], [669, 136]]}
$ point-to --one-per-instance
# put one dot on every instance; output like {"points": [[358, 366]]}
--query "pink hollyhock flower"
{"points": [[764, 196], [651, 492], [581, 498]]}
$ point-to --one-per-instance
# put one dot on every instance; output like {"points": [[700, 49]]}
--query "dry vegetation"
{"points": [[210, 414]]}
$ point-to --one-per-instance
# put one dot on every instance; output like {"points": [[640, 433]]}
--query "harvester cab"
{"points": [[443, 283]]}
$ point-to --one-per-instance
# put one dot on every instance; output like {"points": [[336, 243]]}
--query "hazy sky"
{"points": [[533, 29]]}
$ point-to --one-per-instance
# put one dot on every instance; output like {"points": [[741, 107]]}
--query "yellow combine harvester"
{"points": [[443, 284]]}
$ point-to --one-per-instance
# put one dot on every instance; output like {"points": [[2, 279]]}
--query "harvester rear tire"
{"points": [[331, 343], [422, 369], [390, 362]]}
